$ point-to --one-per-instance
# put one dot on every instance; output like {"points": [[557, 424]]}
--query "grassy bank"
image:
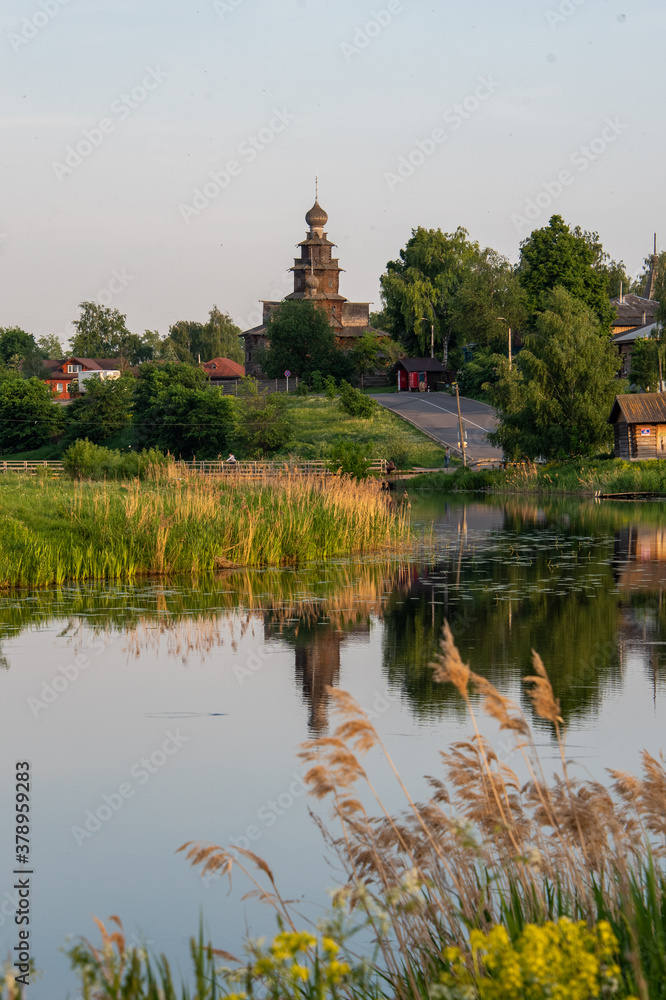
{"points": [[585, 477], [54, 530], [319, 423]]}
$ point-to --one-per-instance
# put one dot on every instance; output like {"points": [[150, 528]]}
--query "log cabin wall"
{"points": [[643, 440], [621, 435]]}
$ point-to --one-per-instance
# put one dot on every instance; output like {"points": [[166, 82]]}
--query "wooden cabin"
{"points": [[639, 425]]}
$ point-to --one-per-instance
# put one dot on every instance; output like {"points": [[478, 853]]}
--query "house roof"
{"points": [[421, 364], [90, 364], [639, 408], [634, 310], [636, 334], [223, 368]]}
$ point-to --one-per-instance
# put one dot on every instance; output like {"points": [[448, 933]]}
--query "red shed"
{"points": [[419, 374]]}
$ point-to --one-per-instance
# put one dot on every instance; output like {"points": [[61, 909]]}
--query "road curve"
{"points": [[436, 414]]}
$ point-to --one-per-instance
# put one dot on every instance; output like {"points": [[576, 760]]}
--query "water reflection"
{"points": [[581, 583]]}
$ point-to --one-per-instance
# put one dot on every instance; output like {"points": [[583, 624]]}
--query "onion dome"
{"points": [[316, 218], [311, 284]]}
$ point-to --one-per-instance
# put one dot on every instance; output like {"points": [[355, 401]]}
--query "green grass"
{"points": [[584, 476], [52, 531], [319, 423]]}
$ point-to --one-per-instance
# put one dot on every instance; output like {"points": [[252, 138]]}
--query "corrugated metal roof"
{"points": [[639, 408], [636, 334]]}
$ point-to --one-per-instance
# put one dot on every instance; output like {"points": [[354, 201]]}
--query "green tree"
{"points": [[556, 401], [301, 340], [557, 256], [489, 300], [262, 423], [217, 338], [50, 347], [100, 332], [176, 410], [102, 411], [28, 416], [420, 288], [16, 344]]}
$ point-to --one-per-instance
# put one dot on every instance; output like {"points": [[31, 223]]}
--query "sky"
{"points": [[160, 155]]}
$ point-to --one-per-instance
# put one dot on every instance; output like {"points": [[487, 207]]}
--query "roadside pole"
{"points": [[463, 443]]}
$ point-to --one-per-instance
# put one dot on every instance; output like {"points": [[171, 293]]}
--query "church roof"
{"points": [[314, 239], [316, 218], [651, 280]]}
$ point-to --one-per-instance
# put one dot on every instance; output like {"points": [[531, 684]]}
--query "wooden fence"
{"points": [[31, 467], [253, 470]]}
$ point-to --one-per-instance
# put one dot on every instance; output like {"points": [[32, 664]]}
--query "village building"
{"points": [[317, 278], [636, 315], [78, 370], [420, 374], [639, 425], [223, 370]]}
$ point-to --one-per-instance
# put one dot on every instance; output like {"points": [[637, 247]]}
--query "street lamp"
{"points": [[432, 335], [509, 328]]}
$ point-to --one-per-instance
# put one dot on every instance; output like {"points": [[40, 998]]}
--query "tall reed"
{"points": [[168, 524], [486, 849]]}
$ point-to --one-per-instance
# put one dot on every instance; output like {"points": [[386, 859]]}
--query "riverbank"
{"points": [[584, 477], [52, 531]]}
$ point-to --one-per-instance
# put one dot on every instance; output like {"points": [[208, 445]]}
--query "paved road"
{"points": [[436, 414]]}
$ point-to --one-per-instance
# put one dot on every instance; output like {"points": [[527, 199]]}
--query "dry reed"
{"points": [[484, 848]]}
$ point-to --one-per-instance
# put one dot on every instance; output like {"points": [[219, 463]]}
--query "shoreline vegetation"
{"points": [[171, 522], [583, 477], [502, 885]]}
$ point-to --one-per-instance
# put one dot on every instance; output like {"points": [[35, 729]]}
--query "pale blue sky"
{"points": [[548, 76]]}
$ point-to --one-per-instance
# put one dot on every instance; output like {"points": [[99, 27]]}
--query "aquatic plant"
{"points": [[178, 522]]}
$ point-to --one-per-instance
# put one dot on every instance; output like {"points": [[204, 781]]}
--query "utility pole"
{"points": [[463, 443]]}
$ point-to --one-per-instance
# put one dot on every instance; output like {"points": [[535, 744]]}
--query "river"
{"points": [[165, 712]]}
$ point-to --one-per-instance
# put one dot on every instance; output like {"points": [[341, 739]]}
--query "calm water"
{"points": [[195, 701]]}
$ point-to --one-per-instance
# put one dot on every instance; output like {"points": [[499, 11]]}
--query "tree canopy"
{"points": [[557, 256], [217, 338], [556, 400], [176, 410], [102, 411], [447, 285], [28, 416], [302, 341]]}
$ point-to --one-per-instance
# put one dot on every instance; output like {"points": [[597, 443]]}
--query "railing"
{"points": [[31, 467], [274, 468], [217, 468]]}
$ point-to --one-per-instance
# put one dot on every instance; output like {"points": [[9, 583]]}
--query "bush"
{"points": [[356, 403], [330, 387], [84, 460], [317, 382], [262, 424], [348, 458], [303, 389]]}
